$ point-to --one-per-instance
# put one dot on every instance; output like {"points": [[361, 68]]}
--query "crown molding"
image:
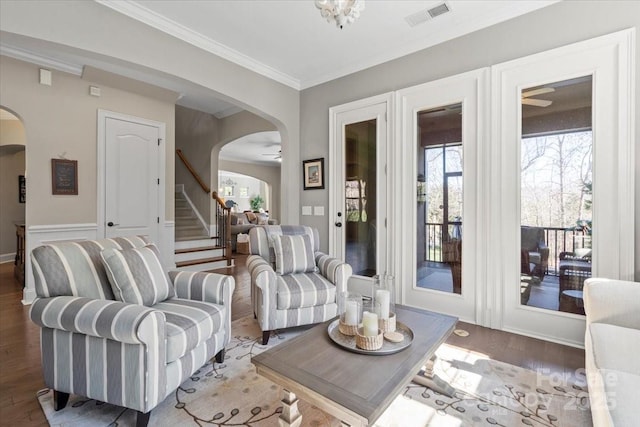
{"points": [[36, 58], [146, 16]]}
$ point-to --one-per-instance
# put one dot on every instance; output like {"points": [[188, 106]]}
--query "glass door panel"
{"points": [[439, 201], [360, 197], [556, 166]]}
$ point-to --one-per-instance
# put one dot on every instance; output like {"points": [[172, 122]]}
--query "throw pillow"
{"points": [[136, 275], [251, 217], [294, 254]]}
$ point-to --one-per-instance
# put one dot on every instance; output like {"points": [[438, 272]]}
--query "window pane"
{"points": [[439, 199], [555, 196], [360, 194]]}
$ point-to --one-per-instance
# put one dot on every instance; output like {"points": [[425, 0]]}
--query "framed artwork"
{"points": [[22, 189], [244, 192], [64, 177], [313, 174]]}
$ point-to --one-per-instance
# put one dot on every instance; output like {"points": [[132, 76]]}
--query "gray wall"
{"points": [[196, 134], [554, 26], [88, 28], [61, 119]]}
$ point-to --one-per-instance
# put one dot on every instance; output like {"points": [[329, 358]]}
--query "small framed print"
{"points": [[64, 177], [313, 173]]}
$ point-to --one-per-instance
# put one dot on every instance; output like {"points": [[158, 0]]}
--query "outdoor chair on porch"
{"points": [[292, 282], [534, 252]]}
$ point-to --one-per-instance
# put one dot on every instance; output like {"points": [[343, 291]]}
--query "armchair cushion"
{"points": [[75, 268], [304, 290], [189, 324], [136, 275], [294, 254]]}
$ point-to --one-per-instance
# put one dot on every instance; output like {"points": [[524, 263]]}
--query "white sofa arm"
{"points": [[614, 302]]}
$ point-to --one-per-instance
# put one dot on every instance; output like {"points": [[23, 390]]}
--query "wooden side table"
{"points": [[19, 262]]}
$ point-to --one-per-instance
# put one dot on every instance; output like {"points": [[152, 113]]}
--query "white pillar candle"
{"points": [[351, 313], [370, 324], [382, 298]]}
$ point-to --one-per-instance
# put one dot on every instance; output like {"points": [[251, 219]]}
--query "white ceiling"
{"points": [[286, 40], [261, 148], [289, 41]]}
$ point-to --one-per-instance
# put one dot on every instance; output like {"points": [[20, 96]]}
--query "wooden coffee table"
{"points": [[355, 388]]}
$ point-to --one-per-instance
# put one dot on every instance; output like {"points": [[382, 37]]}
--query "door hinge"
{"points": [[158, 181], [158, 220], [159, 140]]}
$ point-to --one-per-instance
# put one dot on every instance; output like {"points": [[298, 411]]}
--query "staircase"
{"points": [[194, 249]]}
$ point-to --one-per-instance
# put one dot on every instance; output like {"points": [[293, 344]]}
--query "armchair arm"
{"points": [[334, 270], [208, 287], [200, 286], [114, 320], [264, 288], [614, 302]]}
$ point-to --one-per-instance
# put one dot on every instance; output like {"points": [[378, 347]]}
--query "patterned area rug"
{"points": [[488, 393]]}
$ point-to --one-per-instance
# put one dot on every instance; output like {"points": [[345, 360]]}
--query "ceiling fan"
{"points": [[527, 100], [276, 156]]}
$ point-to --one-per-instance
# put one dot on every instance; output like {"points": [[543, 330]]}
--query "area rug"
{"points": [[488, 393]]}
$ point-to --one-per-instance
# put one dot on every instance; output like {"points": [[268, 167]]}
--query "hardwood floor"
{"points": [[21, 376]]}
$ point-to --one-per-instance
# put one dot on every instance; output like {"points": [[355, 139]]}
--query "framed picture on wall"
{"points": [[22, 189], [313, 173], [64, 177]]}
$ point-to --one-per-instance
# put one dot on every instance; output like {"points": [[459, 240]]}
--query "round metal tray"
{"points": [[349, 342]]}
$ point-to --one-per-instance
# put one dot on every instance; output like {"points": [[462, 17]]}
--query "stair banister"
{"points": [[223, 219], [193, 172]]}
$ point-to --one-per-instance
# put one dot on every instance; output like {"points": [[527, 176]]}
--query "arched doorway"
{"points": [[12, 192]]}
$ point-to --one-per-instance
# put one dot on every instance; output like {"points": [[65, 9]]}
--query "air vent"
{"points": [[427, 14], [439, 10]]}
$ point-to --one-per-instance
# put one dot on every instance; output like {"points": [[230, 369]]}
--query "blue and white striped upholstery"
{"points": [[189, 324], [116, 352], [136, 275], [304, 290], [294, 254], [281, 301], [75, 268]]}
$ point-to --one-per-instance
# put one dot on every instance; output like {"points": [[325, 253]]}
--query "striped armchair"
{"points": [[123, 353], [281, 295]]}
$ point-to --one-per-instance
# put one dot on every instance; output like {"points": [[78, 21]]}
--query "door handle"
{"points": [[338, 224], [111, 224]]}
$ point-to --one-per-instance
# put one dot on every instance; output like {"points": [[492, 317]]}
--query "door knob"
{"points": [[338, 224], [111, 224]]}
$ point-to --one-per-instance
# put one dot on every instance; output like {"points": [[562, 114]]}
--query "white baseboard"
{"points": [[4, 258]]}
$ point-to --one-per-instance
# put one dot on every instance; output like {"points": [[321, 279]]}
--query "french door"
{"points": [[560, 189], [440, 136], [358, 179]]}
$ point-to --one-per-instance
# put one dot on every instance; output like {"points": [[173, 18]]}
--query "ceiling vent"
{"points": [[427, 14]]}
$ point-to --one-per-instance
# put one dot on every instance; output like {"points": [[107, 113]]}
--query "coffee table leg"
{"points": [[290, 414], [428, 379]]}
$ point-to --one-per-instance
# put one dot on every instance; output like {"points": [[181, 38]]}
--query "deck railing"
{"points": [[558, 240]]}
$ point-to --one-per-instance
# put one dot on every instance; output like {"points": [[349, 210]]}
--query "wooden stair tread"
{"points": [[199, 249], [199, 261]]}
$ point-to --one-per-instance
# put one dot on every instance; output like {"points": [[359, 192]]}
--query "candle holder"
{"points": [[384, 301], [369, 342], [350, 312]]}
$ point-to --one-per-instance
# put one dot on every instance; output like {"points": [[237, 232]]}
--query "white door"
{"points": [[132, 178], [560, 204], [440, 137], [358, 185]]}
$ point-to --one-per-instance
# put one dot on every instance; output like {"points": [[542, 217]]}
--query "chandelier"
{"points": [[340, 11]]}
